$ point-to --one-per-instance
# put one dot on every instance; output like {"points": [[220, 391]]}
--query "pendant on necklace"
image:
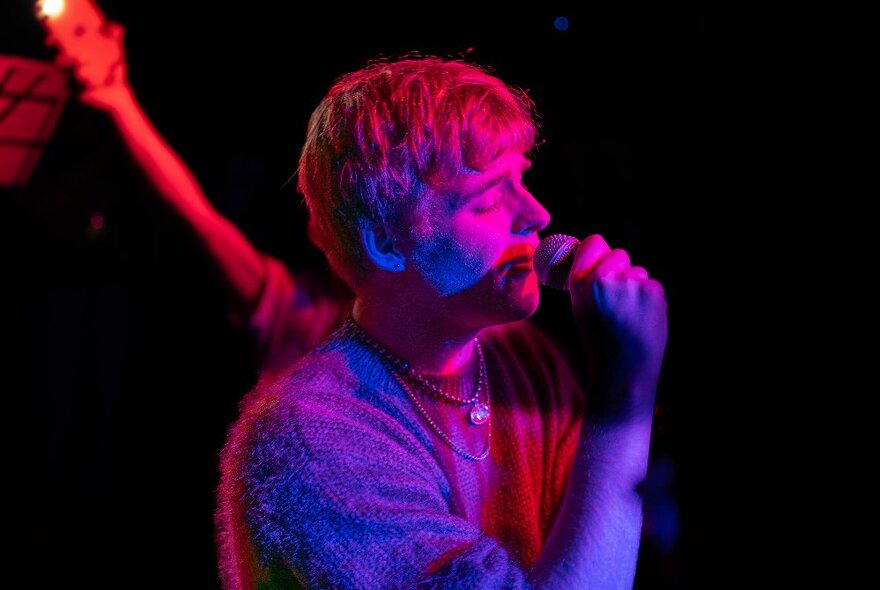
{"points": [[479, 414]]}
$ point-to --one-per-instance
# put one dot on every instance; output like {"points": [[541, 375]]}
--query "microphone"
{"points": [[553, 259]]}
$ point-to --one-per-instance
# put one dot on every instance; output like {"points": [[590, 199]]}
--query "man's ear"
{"points": [[380, 249]]}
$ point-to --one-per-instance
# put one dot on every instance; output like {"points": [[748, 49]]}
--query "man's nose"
{"points": [[533, 217]]}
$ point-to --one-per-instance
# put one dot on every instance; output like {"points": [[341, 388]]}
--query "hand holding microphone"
{"points": [[621, 316]]}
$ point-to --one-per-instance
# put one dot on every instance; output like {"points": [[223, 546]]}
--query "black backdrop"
{"points": [[124, 372]]}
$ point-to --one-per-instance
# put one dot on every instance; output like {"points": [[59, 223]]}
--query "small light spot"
{"points": [[96, 225], [52, 7], [561, 23]]}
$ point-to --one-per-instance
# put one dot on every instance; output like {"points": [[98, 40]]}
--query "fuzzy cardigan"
{"points": [[331, 478]]}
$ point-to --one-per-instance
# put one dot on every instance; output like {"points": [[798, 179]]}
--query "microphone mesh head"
{"points": [[553, 259]]}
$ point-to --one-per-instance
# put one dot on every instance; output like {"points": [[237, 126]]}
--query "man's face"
{"points": [[482, 231]]}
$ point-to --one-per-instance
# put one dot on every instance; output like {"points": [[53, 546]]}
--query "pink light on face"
{"points": [[516, 263], [515, 274]]}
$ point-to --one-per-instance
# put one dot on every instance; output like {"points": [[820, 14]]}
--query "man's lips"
{"points": [[518, 264]]}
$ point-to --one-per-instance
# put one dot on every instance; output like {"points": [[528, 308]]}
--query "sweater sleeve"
{"points": [[342, 496], [290, 317]]}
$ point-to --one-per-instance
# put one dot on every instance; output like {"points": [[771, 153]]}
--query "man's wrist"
{"points": [[118, 98], [618, 400]]}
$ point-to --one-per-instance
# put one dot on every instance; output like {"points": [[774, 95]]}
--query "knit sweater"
{"points": [[332, 478]]}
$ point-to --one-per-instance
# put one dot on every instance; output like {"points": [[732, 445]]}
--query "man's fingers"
{"points": [[591, 249], [613, 262]]}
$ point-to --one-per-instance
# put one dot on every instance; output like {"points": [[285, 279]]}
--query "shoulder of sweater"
{"points": [[319, 370], [304, 413], [327, 377]]}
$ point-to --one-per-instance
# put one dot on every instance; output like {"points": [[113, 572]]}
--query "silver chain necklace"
{"points": [[410, 379]]}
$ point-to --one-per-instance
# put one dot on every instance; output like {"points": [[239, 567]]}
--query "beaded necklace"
{"points": [[409, 380]]}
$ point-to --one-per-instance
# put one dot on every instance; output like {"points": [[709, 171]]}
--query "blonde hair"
{"points": [[386, 132]]}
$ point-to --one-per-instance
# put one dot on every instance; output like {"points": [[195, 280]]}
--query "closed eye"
{"points": [[493, 207], [489, 202]]}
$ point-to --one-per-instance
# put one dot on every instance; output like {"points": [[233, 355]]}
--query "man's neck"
{"points": [[427, 342]]}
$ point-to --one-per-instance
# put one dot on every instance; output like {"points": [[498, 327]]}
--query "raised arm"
{"points": [[286, 318], [98, 61], [621, 315], [239, 262]]}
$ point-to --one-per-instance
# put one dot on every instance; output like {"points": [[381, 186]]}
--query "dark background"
{"points": [[124, 371]]}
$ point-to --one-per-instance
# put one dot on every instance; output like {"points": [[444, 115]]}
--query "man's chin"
{"points": [[504, 302], [522, 307], [531, 305], [527, 297]]}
